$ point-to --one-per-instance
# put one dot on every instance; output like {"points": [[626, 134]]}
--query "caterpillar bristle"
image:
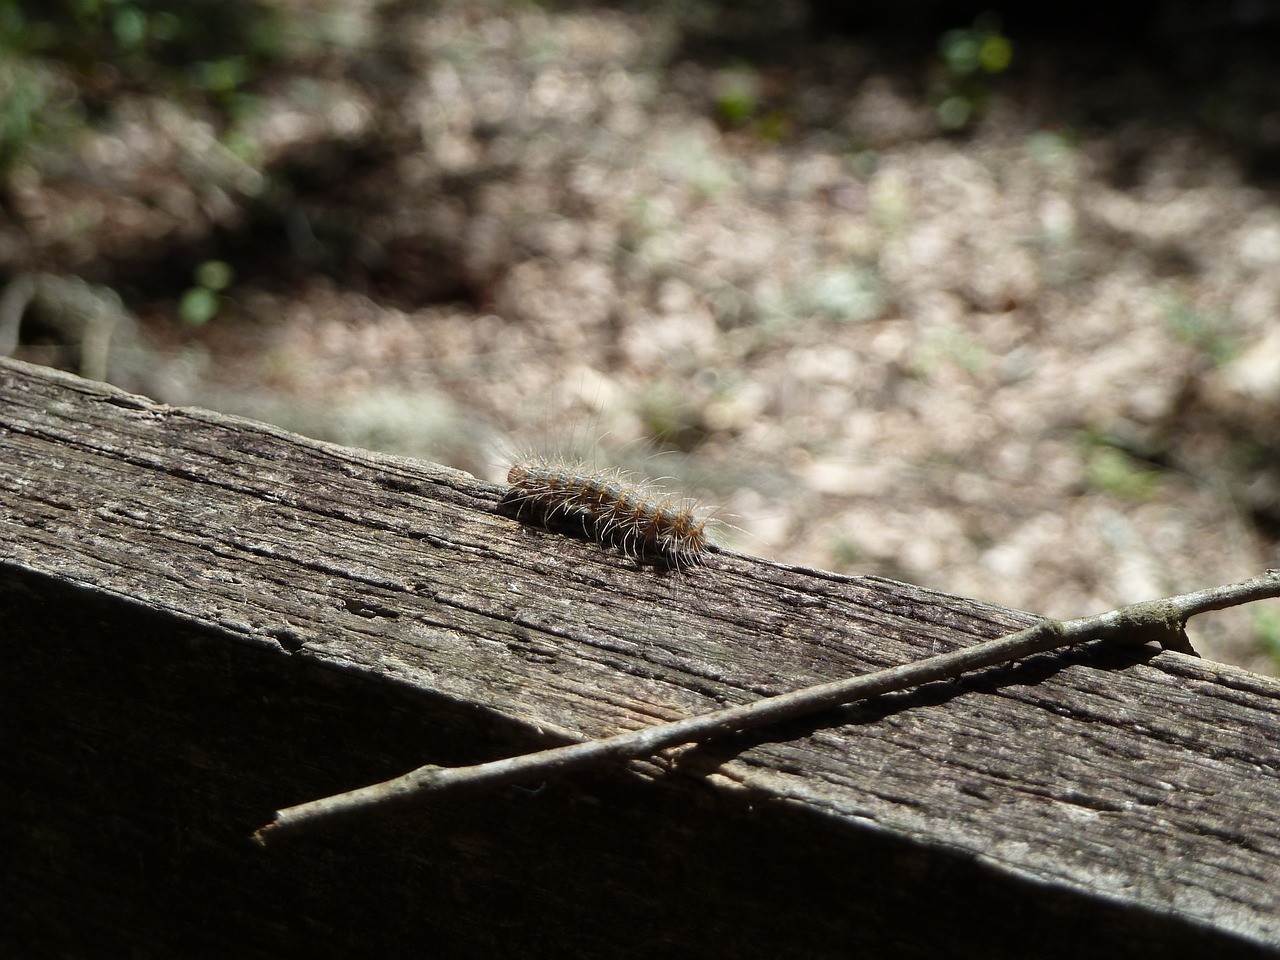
{"points": [[609, 507]]}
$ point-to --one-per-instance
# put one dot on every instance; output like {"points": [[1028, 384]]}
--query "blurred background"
{"points": [[979, 296]]}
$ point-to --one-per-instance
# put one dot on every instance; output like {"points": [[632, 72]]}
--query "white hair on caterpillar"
{"points": [[611, 507]]}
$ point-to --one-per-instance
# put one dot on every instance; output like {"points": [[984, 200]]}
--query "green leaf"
{"points": [[215, 275], [198, 306]]}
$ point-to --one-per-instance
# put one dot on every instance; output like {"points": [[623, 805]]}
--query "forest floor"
{"points": [[1008, 335]]}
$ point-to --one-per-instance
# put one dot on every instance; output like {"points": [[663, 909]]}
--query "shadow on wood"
{"points": [[206, 619]]}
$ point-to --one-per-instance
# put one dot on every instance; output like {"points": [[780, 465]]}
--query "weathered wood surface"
{"points": [[205, 619]]}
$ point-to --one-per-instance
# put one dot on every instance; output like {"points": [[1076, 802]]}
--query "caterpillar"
{"points": [[606, 506]]}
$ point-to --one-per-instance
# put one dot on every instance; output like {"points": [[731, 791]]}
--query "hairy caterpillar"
{"points": [[606, 506]]}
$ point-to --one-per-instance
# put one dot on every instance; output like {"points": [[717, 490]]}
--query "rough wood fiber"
{"points": [[205, 619]]}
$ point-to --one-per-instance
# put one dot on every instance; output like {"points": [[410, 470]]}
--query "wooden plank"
{"points": [[209, 618]]}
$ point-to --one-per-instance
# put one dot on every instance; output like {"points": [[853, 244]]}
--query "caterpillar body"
{"points": [[606, 506]]}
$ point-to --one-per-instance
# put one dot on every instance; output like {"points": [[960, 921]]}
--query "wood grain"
{"points": [[208, 618]]}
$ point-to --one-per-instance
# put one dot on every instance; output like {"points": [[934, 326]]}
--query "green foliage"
{"points": [[673, 421], [737, 95], [206, 46], [133, 34], [1266, 627], [201, 303], [1206, 332], [60, 58], [970, 55], [1115, 472], [1111, 469], [890, 196], [980, 48], [23, 93], [850, 294], [846, 553], [948, 344]]}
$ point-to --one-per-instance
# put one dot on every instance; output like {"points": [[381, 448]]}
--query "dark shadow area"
{"points": [[140, 752], [1131, 72], [1135, 70]]}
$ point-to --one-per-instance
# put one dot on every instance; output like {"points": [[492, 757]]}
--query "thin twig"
{"points": [[1158, 620]]}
